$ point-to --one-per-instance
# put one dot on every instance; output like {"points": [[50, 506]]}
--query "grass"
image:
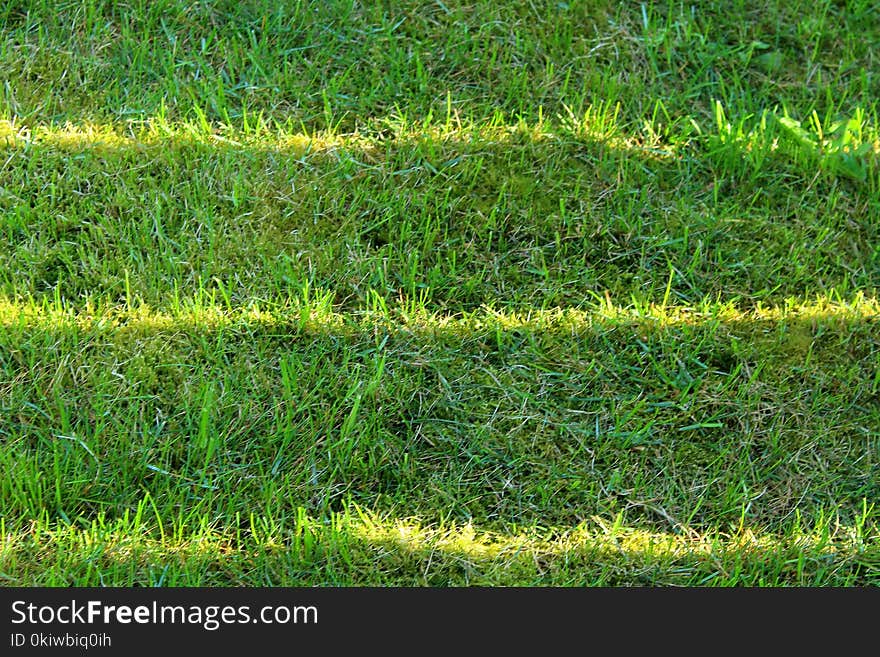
{"points": [[434, 293]]}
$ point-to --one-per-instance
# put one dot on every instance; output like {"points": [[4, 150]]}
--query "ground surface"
{"points": [[439, 293]]}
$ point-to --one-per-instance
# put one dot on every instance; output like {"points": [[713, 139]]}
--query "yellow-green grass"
{"points": [[421, 293]]}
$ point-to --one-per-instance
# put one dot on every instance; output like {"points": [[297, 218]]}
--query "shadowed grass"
{"points": [[332, 64], [533, 216]]}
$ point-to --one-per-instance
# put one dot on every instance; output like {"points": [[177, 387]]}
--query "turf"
{"points": [[439, 293]]}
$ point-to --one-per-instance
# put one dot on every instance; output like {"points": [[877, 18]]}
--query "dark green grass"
{"points": [[338, 63], [429, 293]]}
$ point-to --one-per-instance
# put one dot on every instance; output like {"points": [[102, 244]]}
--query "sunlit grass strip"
{"points": [[365, 543], [156, 132], [317, 313], [598, 534], [597, 123]]}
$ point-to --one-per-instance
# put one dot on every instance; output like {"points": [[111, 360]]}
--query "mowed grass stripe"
{"points": [[334, 64], [504, 420], [544, 215]]}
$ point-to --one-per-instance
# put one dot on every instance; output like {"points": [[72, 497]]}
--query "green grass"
{"points": [[435, 293]]}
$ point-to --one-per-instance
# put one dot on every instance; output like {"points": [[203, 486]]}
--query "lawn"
{"points": [[423, 293]]}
